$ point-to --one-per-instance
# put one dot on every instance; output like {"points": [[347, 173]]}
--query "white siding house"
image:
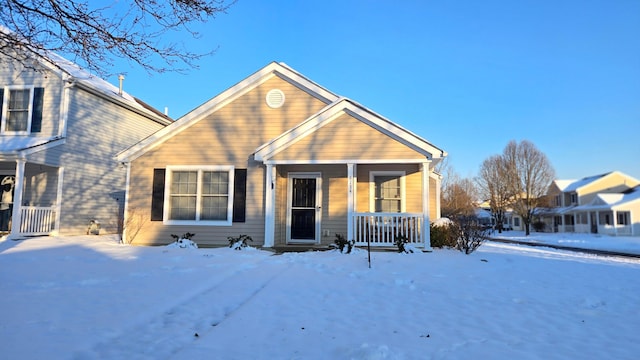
{"points": [[60, 128]]}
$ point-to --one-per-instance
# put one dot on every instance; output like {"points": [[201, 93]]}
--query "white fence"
{"points": [[36, 220], [382, 229]]}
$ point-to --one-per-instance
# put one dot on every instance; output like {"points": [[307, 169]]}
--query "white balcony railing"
{"points": [[37, 220], [382, 229]]}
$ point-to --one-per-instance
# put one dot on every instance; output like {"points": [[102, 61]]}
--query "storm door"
{"points": [[304, 208]]}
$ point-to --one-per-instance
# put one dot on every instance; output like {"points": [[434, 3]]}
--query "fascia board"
{"points": [[291, 136], [45, 146], [330, 113], [392, 128]]}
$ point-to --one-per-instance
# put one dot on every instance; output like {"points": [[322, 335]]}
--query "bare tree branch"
{"points": [[96, 35], [530, 174]]}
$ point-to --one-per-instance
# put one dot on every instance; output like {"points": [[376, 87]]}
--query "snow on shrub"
{"points": [[183, 242], [240, 242], [342, 244], [443, 221]]}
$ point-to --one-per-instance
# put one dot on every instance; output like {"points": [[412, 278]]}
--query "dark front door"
{"points": [[304, 209]]}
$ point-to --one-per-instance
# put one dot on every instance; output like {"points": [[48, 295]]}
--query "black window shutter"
{"points": [[36, 113], [157, 196], [239, 195], [1, 95]]}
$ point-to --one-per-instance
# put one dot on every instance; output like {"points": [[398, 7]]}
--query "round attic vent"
{"points": [[275, 98]]}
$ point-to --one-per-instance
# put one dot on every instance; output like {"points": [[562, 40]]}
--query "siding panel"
{"points": [[228, 136], [347, 138]]}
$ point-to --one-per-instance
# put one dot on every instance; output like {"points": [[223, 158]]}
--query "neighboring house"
{"points": [[595, 204], [613, 214], [287, 162], [60, 128], [510, 220]]}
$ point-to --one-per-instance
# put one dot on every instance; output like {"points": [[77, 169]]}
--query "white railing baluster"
{"points": [[37, 220], [381, 229]]}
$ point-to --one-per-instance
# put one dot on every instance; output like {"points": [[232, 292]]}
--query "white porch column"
{"points": [[350, 201], [16, 215], [58, 204], [438, 179], [269, 206], [426, 236]]}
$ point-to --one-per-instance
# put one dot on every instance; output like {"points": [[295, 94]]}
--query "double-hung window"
{"points": [[623, 218], [199, 195], [388, 191], [16, 104]]}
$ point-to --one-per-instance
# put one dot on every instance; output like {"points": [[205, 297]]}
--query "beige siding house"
{"points": [[287, 162], [605, 204], [60, 128]]}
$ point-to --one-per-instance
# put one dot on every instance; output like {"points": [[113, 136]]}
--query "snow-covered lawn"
{"points": [[622, 244], [88, 297]]}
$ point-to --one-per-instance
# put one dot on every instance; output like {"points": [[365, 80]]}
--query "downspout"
{"points": [[68, 83]]}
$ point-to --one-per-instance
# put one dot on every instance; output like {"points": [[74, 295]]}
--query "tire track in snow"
{"points": [[177, 327]]}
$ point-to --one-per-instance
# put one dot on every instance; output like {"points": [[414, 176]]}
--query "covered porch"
{"points": [[29, 204], [369, 202], [601, 220]]}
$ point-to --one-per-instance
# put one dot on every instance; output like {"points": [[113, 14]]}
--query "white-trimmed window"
{"points": [[623, 218], [17, 107], [574, 198], [199, 195], [388, 191]]}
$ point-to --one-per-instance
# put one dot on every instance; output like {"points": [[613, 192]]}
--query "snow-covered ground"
{"points": [[89, 297], [621, 244]]}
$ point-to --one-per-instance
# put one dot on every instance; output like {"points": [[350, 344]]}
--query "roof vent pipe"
{"points": [[120, 79]]}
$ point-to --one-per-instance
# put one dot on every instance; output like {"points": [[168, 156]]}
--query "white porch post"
{"points": [[269, 206], [16, 214], [614, 221], [58, 205], [426, 236], [350, 201], [438, 184]]}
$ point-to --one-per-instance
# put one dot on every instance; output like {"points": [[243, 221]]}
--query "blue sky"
{"points": [[469, 76]]}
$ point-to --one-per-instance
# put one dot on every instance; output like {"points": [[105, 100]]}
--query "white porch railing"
{"points": [[37, 220], [382, 229], [567, 228], [620, 230]]}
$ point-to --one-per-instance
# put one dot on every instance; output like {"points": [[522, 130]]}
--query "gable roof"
{"points": [[222, 99], [335, 105], [367, 116], [562, 185], [575, 185], [612, 201]]}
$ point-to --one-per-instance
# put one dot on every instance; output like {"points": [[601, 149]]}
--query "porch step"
{"points": [[279, 249]]}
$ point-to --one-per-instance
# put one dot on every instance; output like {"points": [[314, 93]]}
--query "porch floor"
{"points": [[280, 249]]}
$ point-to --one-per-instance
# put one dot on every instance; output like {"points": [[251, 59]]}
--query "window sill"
{"points": [[197, 223]]}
